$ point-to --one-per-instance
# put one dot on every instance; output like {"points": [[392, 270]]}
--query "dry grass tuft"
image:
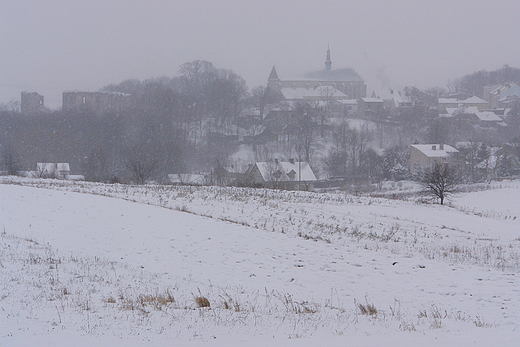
{"points": [[367, 309], [202, 301]]}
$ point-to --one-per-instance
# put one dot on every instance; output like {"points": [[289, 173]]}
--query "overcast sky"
{"points": [[55, 45]]}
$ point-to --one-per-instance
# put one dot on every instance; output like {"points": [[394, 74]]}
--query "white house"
{"points": [[53, 170], [424, 156], [281, 174]]}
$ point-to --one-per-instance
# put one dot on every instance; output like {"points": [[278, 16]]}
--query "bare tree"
{"points": [[440, 180], [96, 166], [11, 162], [347, 156], [304, 128], [438, 132], [143, 162]]}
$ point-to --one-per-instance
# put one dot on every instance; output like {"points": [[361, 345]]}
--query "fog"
{"points": [[55, 45]]}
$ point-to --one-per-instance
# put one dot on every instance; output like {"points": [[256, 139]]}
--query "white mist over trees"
{"points": [[198, 119]]}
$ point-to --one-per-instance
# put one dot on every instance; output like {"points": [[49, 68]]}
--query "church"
{"points": [[346, 83]]}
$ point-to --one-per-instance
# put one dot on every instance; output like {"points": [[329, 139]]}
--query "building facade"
{"points": [[31, 103], [96, 102]]}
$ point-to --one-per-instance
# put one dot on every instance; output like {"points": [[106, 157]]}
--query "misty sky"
{"points": [[55, 45]]}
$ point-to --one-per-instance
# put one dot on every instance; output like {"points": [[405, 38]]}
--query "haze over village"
{"points": [[254, 151]]}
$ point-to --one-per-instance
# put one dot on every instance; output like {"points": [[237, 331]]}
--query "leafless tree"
{"points": [[348, 156], [143, 162], [438, 132], [304, 128], [440, 180], [11, 163]]}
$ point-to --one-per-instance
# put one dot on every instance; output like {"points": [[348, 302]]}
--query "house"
{"points": [[53, 170], [494, 93], [371, 108], [445, 103], [424, 156], [510, 98], [484, 118], [475, 101], [281, 174]]}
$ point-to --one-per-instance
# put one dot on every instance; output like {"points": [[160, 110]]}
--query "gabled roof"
{"points": [[474, 100], [511, 91], [285, 171], [435, 151]]}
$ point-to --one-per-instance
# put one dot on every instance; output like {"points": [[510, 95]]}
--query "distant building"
{"points": [[96, 102], [53, 170], [475, 101], [485, 118], [371, 108], [445, 103], [346, 84], [281, 174], [424, 156], [31, 103]]}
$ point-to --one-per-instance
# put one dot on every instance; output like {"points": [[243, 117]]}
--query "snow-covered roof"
{"points": [[372, 100], [474, 100], [435, 151], [348, 102], [488, 116], [346, 74], [452, 111], [285, 171], [509, 92], [448, 101], [307, 93]]}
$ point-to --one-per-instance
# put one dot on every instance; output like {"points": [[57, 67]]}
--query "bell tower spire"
{"points": [[328, 62]]}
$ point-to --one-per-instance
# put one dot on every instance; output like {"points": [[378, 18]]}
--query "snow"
{"points": [[81, 263], [474, 100], [435, 151]]}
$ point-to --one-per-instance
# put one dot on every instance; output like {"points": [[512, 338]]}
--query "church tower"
{"points": [[328, 62], [273, 80]]}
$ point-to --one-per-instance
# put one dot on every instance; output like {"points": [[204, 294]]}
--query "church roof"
{"points": [[335, 75], [312, 93]]}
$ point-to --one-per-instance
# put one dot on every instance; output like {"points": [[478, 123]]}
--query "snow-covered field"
{"points": [[129, 266]]}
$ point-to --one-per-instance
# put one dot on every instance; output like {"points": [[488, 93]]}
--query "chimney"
{"points": [[291, 161], [441, 146], [434, 147]]}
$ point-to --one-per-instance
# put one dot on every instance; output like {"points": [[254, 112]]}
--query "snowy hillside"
{"points": [[132, 266]]}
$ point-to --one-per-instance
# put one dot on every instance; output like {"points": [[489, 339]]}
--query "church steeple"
{"points": [[273, 75], [328, 62]]}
